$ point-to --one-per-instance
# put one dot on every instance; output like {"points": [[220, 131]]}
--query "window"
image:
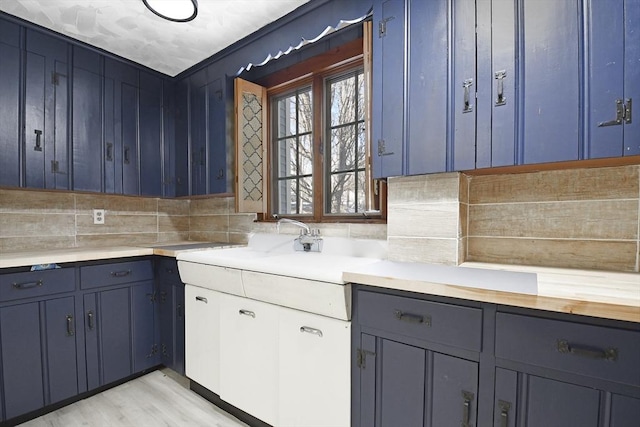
{"points": [[315, 139]]}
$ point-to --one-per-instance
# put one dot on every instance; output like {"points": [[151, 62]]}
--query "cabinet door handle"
{"points": [[247, 313], [70, 331], [202, 299], [203, 156], [500, 76], [619, 115], [38, 146], [467, 397], [467, 107], [109, 152], [122, 273], [127, 160], [27, 285], [412, 318], [179, 311], [610, 354], [310, 330], [90, 320], [504, 412]]}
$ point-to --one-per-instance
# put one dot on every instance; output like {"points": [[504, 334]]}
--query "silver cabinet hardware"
{"points": [[466, 408], [202, 299], [467, 107], [28, 285], [310, 330], [247, 313], [90, 320], [610, 354], [504, 412], [70, 331], [500, 76], [412, 318]]}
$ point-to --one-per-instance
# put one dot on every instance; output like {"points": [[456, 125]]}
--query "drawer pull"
{"points": [[122, 273], [591, 352], [466, 408], [504, 412], [70, 331], [203, 299], [247, 313], [90, 320], [412, 318], [310, 330], [27, 285]]}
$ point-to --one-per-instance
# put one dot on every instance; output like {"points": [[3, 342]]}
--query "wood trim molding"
{"points": [[574, 164]]}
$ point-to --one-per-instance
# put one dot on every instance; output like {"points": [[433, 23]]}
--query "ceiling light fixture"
{"points": [[173, 10]]}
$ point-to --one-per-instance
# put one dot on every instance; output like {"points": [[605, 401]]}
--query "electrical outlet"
{"points": [[98, 216]]}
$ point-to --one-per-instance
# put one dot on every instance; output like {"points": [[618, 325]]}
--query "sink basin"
{"points": [[269, 269]]}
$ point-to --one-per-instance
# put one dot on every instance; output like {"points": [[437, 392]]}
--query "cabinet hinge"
{"points": [[152, 297], [382, 26], [55, 80], [154, 350], [361, 357], [382, 148]]}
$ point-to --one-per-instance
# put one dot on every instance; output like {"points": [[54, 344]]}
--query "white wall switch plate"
{"points": [[98, 216]]}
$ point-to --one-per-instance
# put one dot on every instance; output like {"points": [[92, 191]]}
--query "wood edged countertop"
{"points": [[609, 295], [59, 256]]}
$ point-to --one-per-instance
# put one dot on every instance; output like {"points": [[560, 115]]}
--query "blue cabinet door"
{"points": [[91, 340], [22, 373], [198, 133], [428, 86], [463, 86], [388, 88], [625, 411], [61, 360], [551, 88], [216, 137], [87, 128], [454, 401], [151, 135], [168, 138], [171, 314], [46, 139], [114, 326], [145, 330], [182, 144], [614, 78], [10, 89]]}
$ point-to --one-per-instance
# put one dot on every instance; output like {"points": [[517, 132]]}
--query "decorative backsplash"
{"points": [[580, 218]]}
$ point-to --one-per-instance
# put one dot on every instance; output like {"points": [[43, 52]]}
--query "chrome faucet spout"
{"points": [[300, 224]]}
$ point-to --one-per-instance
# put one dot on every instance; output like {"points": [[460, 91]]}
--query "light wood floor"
{"points": [[160, 398]]}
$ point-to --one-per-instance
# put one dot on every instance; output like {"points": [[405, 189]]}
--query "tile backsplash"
{"points": [[580, 218]]}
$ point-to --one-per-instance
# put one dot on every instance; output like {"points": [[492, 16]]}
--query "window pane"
{"points": [[362, 147], [305, 113], [287, 165], [287, 196], [361, 104], [287, 116], [305, 155], [342, 103], [361, 193], [343, 193], [306, 196], [343, 149]]}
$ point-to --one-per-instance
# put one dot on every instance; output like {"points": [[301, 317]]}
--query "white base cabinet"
{"points": [[249, 356], [314, 364], [202, 336]]}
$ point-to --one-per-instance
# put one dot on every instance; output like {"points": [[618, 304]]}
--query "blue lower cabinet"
{"points": [[145, 335], [115, 334], [22, 368], [171, 315]]}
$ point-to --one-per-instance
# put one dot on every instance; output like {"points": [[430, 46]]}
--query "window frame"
{"points": [[315, 72]]}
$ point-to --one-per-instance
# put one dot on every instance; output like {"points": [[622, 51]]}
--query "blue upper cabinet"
{"points": [[388, 87], [216, 136], [198, 132], [87, 129], [10, 117], [151, 146], [614, 78], [182, 137], [46, 98]]}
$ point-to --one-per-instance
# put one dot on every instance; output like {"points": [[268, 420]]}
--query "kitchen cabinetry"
{"points": [[412, 366], [171, 301], [37, 339], [314, 370], [151, 146], [249, 356], [614, 78], [202, 336], [10, 117], [430, 363], [46, 99], [119, 320]]}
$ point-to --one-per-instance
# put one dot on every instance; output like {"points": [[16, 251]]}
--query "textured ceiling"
{"points": [[128, 29]]}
